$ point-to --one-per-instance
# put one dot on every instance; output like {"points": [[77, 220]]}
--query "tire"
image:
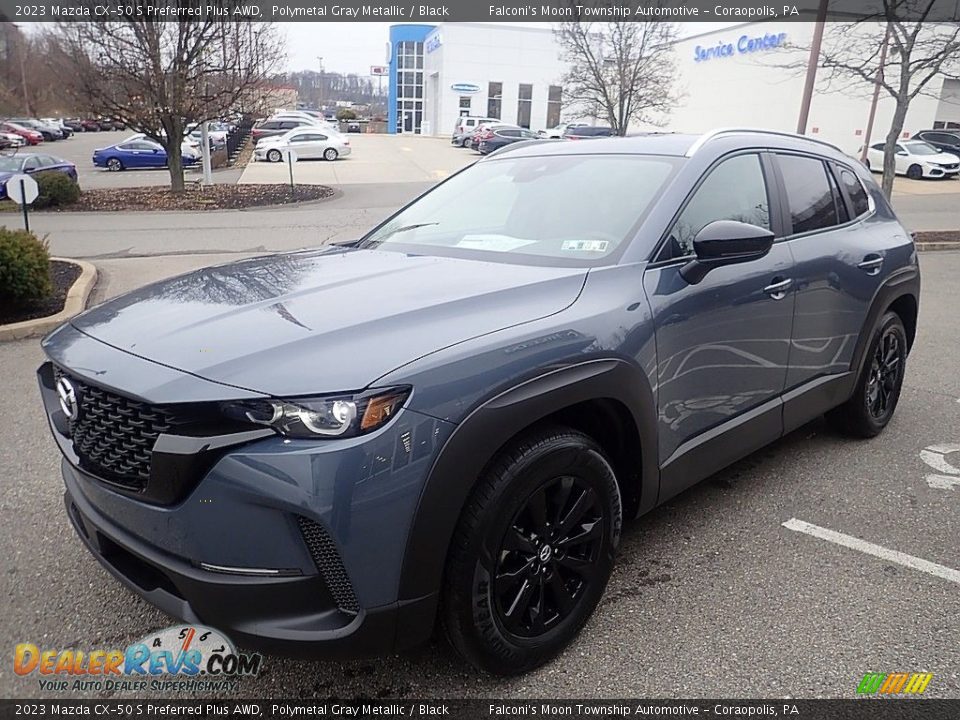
{"points": [[274, 155], [114, 164], [875, 398], [330, 154], [510, 601], [915, 172], [867, 163]]}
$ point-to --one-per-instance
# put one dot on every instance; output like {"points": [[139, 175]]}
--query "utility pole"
{"points": [[813, 61], [876, 96], [320, 100]]}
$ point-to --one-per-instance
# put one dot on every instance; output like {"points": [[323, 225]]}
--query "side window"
{"points": [[858, 196], [31, 164], [734, 190], [808, 193]]}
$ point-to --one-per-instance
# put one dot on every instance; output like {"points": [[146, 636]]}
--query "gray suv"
{"points": [[329, 452]]}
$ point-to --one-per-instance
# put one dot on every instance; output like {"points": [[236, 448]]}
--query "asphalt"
{"points": [[711, 596]]}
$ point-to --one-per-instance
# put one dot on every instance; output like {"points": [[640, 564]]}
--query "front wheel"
{"points": [[532, 552], [114, 165], [330, 154], [914, 172], [867, 413], [274, 156]]}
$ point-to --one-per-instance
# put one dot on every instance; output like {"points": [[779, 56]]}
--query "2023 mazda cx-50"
{"points": [[327, 451]]}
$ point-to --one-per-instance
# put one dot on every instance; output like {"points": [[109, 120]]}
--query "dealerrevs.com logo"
{"points": [[895, 683], [181, 657]]}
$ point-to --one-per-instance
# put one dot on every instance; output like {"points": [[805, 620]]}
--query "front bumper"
{"points": [[330, 518]]}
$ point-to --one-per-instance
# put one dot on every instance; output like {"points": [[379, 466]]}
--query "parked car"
{"points": [[30, 164], [108, 124], [189, 148], [588, 132], [484, 131], [916, 159], [464, 128], [30, 136], [12, 140], [464, 455], [354, 126], [74, 124], [557, 132], [268, 128], [503, 136], [309, 143], [134, 154], [48, 132], [90, 125], [60, 125], [946, 140]]}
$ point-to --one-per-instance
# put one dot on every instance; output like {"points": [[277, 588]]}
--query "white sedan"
{"points": [[308, 142], [555, 133], [916, 159]]}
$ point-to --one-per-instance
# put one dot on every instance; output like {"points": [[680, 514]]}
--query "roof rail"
{"points": [[716, 132]]}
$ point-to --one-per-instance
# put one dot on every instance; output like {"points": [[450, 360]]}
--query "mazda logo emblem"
{"points": [[68, 399]]}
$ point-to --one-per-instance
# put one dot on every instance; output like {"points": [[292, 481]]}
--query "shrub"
{"points": [[346, 114], [55, 190], [24, 268]]}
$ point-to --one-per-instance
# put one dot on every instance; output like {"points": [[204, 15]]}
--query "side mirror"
{"points": [[725, 242]]}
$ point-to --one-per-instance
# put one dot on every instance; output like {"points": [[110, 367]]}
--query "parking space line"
{"points": [[848, 541]]}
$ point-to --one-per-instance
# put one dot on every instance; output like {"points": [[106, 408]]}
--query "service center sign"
{"points": [[745, 45]]}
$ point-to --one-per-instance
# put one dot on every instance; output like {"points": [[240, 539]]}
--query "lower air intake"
{"points": [[328, 562]]}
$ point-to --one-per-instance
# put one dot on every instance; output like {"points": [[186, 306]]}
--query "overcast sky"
{"points": [[355, 46]]}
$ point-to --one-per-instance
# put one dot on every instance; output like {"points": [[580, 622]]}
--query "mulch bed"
{"points": [[62, 276], [196, 197], [938, 236]]}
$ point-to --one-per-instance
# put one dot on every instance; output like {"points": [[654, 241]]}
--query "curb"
{"points": [[75, 303], [933, 246]]}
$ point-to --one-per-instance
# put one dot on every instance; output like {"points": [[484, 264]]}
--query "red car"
{"points": [[31, 136]]}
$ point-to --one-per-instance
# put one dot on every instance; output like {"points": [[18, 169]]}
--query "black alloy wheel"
{"points": [[548, 556], [886, 375]]}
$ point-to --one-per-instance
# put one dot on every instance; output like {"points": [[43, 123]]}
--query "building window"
{"points": [[524, 103], [554, 96], [494, 97], [409, 86], [465, 101]]}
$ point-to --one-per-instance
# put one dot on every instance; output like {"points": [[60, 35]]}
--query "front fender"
{"points": [[492, 424]]}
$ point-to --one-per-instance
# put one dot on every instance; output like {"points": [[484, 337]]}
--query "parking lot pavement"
{"points": [[711, 597], [373, 159], [79, 147]]}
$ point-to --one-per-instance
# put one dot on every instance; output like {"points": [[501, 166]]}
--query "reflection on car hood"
{"points": [[324, 320]]}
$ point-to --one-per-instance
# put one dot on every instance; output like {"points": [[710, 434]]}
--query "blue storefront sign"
{"points": [[745, 45], [465, 88]]}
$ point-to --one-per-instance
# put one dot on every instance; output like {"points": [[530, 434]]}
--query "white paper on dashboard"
{"points": [[498, 243]]}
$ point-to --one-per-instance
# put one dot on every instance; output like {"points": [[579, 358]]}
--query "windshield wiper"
{"points": [[405, 228]]}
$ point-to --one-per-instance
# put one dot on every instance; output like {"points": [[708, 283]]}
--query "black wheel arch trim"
{"points": [[490, 426], [901, 283]]}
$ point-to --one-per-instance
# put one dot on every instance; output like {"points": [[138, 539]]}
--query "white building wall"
{"points": [[756, 89], [478, 53]]}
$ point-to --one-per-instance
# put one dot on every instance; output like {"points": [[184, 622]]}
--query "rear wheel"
{"points": [[114, 164], [867, 413], [914, 172], [532, 553], [330, 154]]}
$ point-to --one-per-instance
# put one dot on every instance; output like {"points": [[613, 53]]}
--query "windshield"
{"points": [[576, 208], [921, 148], [10, 164]]}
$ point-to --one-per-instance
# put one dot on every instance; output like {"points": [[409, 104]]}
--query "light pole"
{"points": [[320, 100]]}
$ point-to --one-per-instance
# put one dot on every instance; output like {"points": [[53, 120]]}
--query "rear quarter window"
{"points": [[856, 193]]}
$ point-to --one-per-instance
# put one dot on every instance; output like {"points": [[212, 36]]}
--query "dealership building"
{"points": [[746, 75]]}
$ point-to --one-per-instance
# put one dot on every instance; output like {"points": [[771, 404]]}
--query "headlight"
{"points": [[331, 416]]}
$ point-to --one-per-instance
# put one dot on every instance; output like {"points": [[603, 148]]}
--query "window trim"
{"points": [[773, 202]]}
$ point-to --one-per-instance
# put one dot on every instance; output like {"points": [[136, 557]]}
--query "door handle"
{"points": [[871, 264], [778, 288]]}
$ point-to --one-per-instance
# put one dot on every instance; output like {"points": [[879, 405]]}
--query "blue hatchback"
{"points": [[132, 154]]}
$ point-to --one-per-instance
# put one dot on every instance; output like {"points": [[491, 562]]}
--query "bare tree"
{"points": [[157, 77], [623, 71], [917, 53]]}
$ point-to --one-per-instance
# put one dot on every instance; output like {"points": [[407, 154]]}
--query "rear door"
{"points": [[838, 245], [723, 343]]}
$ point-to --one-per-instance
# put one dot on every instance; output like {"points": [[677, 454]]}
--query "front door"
{"points": [[723, 343]]}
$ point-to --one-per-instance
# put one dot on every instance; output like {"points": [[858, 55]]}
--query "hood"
{"points": [[944, 159], [327, 320]]}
